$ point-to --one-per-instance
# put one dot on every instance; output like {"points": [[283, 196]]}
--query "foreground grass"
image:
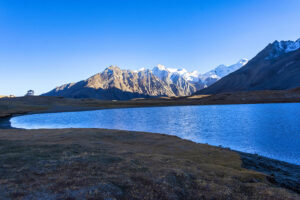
{"points": [[108, 164]]}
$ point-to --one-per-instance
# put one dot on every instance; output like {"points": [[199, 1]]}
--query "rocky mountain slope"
{"points": [[276, 67], [114, 83]]}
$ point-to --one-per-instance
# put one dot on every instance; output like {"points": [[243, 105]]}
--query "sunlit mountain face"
{"points": [[116, 83]]}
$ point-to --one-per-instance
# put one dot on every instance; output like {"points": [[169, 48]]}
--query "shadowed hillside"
{"points": [[277, 67]]}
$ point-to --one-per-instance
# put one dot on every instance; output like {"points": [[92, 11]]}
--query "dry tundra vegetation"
{"points": [[115, 164], [108, 164]]}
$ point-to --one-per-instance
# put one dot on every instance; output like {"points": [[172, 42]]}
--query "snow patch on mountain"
{"points": [[289, 46], [283, 47], [223, 70], [194, 77], [162, 72]]}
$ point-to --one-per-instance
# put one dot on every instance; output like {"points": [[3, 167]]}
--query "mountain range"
{"points": [[276, 67], [117, 84], [200, 81]]}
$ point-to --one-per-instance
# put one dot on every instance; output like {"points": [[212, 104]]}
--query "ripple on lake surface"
{"points": [[271, 130]]}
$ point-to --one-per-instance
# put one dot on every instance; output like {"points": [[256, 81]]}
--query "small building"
{"points": [[30, 93]]}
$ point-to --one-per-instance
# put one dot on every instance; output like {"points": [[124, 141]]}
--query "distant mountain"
{"points": [[179, 76], [200, 81], [7, 96], [276, 67], [219, 72], [114, 83], [118, 84]]}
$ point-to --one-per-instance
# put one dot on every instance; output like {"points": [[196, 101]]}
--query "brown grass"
{"points": [[102, 164]]}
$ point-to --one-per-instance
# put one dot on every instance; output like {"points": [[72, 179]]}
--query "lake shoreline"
{"points": [[278, 173], [7, 125]]}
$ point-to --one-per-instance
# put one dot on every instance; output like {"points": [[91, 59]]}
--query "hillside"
{"points": [[276, 67]]}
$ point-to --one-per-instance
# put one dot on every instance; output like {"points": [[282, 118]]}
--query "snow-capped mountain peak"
{"points": [[223, 70], [289, 46], [295, 46], [172, 70], [283, 47], [161, 67], [191, 76], [162, 72], [140, 70], [194, 77], [243, 61]]}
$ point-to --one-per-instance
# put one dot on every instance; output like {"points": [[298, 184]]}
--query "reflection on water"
{"points": [[272, 130]]}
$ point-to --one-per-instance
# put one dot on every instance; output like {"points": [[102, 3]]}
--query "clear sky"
{"points": [[46, 43]]}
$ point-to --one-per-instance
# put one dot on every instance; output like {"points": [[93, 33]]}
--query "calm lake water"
{"points": [[271, 130]]}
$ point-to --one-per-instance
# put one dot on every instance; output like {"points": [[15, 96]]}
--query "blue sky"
{"points": [[44, 44]]}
